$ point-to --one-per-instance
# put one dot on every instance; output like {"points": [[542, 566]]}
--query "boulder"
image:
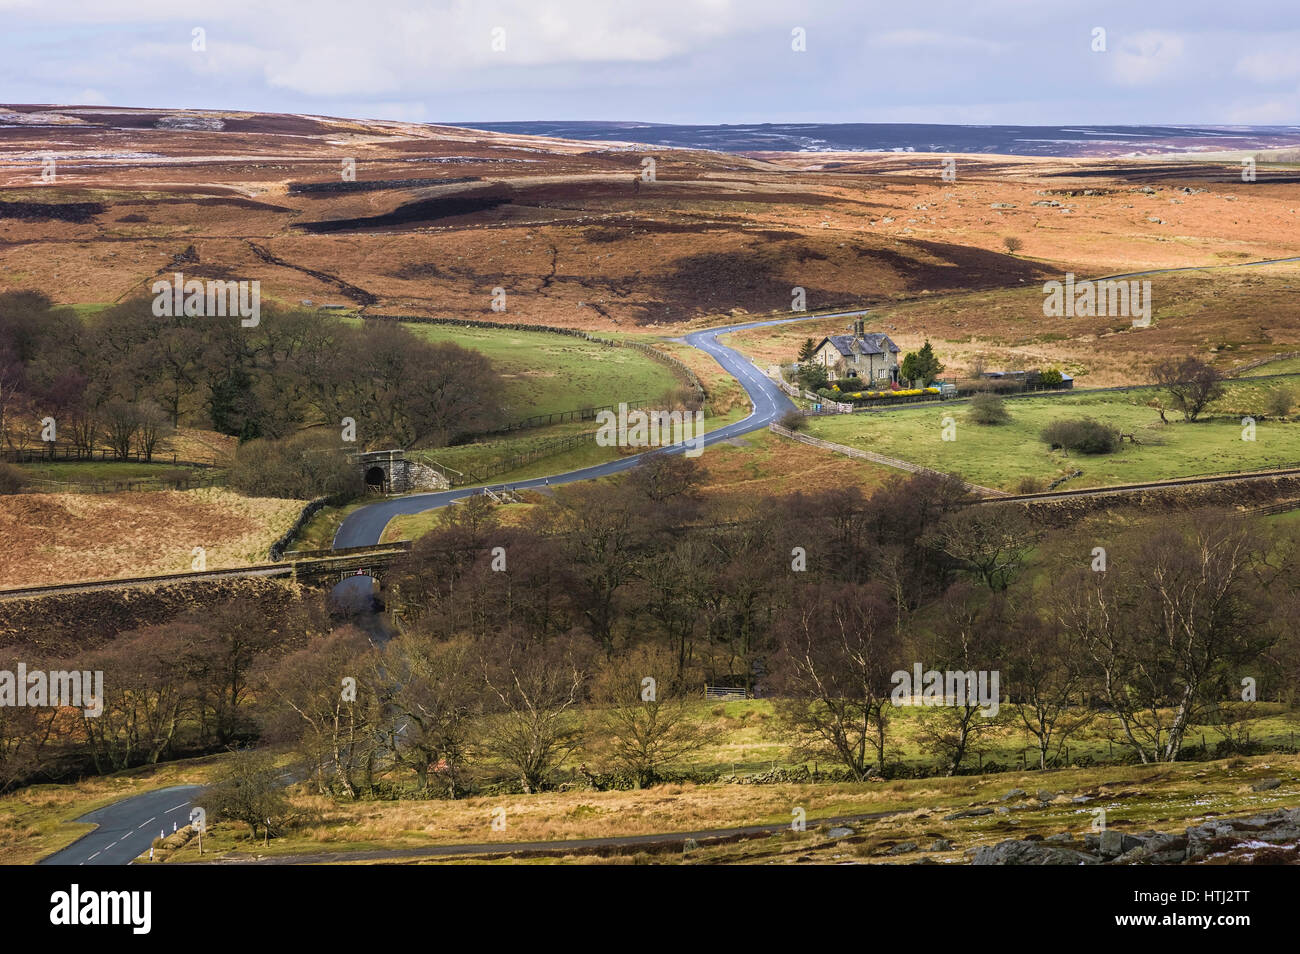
{"points": [[1031, 853], [1115, 843], [1159, 849]]}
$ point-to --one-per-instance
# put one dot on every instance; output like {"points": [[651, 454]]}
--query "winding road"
{"points": [[364, 526], [127, 828]]}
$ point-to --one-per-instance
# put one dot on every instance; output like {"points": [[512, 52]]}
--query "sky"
{"points": [[671, 61]]}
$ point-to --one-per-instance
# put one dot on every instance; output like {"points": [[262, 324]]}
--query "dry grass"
{"points": [[577, 244], [1136, 798], [762, 464], [62, 538]]}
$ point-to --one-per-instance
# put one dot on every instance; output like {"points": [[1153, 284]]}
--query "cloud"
{"points": [[1008, 61], [1277, 111], [930, 40], [1270, 66], [1140, 59]]}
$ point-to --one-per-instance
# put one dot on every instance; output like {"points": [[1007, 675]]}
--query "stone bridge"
{"points": [[389, 472]]}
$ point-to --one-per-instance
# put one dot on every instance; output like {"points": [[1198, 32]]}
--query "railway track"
{"points": [[312, 563], [1171, 484]]}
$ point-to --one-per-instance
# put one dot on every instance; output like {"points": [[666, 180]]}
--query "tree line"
{"points": [[592, 624], [122, 377]]}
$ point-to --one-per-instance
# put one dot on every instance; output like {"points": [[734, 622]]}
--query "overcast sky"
{"points": [[687, 61]]}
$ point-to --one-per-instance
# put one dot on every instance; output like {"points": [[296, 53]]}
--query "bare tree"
{"points": [[248, 787], [533, 690], [969, 639], [990, 542], [153, 425], [1050, 684], [1173, 613], [836, 650], [644, 721], [1191, 383], [434, 700], [329, 709]]}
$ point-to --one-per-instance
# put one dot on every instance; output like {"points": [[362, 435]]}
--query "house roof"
{"points": [[866, 344]]}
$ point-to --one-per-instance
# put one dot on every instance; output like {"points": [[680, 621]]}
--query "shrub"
{"points": [[12, 479], [793, 420], [301, 468], [1083, 435], [1029, 485], [988, 408], [1051, 378], [1280, 401], [812, 376]]}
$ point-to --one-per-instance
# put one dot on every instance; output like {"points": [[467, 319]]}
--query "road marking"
{"points": [[94, 856], [170, 810], [142, 824]]}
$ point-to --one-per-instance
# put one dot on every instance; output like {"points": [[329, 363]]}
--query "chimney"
{"points": [[858, 327]]}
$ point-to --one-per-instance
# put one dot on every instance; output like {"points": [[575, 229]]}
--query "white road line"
{"points": [[181, 805], [94, 856], [142, 824]]}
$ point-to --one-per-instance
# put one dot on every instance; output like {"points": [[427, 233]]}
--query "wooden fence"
{"points": [[66, 453], [725, 692], [551, 448]]}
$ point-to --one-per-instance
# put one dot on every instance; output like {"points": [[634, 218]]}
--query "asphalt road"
{"points": [[363, 527], [127, 828]]}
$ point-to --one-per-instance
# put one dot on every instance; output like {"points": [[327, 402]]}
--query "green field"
{"points": [[547, 373], [1001, 456], [481, 458], [1281, 366]]}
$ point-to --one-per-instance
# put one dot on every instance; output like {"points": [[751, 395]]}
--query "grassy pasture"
{"points": [[547, 373], [1001, 455]]}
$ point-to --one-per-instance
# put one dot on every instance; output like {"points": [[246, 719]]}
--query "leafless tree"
{"points": [[644, 722], [532, 690], [1191, 384], [836, 650]]}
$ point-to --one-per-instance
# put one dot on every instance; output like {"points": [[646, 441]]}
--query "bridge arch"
{"points": [[389, 472]]}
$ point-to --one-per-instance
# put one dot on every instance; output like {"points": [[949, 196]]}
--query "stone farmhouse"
{"points": [[871, 357]]}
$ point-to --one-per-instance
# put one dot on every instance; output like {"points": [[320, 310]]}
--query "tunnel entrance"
{"points": [[375, 478]]}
